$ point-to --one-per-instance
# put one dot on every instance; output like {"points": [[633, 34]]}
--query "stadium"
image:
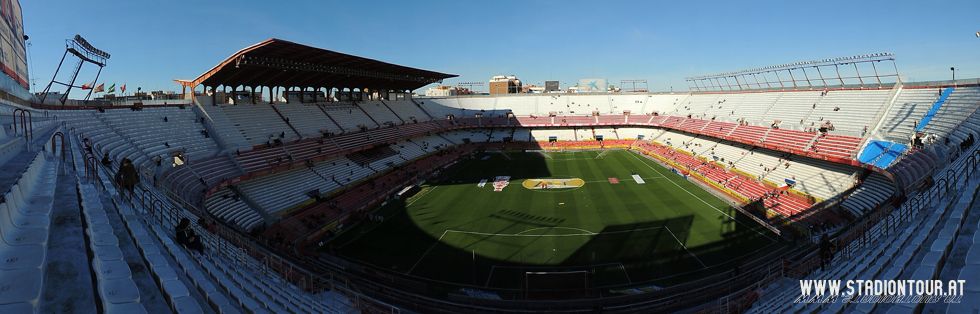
{"points": [[290, 178]]}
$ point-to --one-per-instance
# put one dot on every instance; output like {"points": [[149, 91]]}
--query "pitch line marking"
{"points": [[427, 252], [685, 247], [699, 198], [623, 267], [418, 197], [521, 234], [567, 228]]}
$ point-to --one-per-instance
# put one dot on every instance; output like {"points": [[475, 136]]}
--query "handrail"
{"points": [[26, 122], [64, 145], [224, 238], [879, 118], [888, 220]]}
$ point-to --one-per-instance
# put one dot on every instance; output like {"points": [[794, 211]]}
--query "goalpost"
{"points": [[602, 154]]}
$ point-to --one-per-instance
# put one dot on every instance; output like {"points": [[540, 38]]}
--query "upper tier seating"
{"points": [[308, 119], [542, 135], [407, 110], [910, 106], [960, 109], [851, 111], [136, 144], [145, 134], [380, 112], [153, 129], [259, 124], [791, 108], [349, 117]]}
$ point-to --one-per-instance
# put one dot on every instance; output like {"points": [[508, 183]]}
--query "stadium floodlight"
{"points": [[84, 52], [87, 48]]}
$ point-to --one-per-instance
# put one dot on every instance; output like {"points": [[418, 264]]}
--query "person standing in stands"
{"points": [[127, 177], [826, 255]]}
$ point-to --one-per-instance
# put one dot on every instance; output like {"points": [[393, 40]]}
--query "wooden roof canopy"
{"points": [[277, 62]]}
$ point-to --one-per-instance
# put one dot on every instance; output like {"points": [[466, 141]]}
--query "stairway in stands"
{"points": [[934, 109]]}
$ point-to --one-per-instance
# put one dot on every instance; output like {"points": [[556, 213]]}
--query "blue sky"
{"points": [[154, 42]]}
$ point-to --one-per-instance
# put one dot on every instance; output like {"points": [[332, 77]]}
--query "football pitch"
{"points": [[616, 215]]}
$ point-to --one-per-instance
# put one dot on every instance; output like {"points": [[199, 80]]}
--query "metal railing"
{"points": [[888, 220], [229, 243]]}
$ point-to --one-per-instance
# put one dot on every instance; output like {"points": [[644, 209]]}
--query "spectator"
{"points": [[187, 237], [825, 252], [105, 160], [127, 177]]}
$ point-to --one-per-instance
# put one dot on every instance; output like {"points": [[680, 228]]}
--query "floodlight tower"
{"points": [[85, 53]]}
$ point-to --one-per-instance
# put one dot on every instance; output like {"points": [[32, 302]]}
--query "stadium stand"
{"points": [[206, 167], [227, 279], [309, 119], [25, 218], [379, 112], [259, 124], [264, 183], [871, 194], [909, 243], [900, 123]]}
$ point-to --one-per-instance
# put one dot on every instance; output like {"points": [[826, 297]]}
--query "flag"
{"points": [[123, 88], [112, 88], [86, 86], [100, 88]]}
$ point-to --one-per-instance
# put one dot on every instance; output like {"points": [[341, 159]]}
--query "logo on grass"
{"points": [[500, 182], [545, 184]]}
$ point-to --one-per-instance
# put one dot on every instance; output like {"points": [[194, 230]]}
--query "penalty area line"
{"points": [[699, 198], [421, 196], [427, 252], [685, 247]]}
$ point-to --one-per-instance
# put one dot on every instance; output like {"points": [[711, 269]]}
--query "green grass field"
{"points": [[664, 231]]}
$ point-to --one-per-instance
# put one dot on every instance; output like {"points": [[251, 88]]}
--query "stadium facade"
{"points": [[13, 47]]}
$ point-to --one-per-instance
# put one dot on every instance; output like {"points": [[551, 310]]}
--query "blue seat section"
{"points": [[881, 154], [935, 108]]}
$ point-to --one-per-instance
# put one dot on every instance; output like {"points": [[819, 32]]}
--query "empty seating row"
{"points": [[160, 131], [226, 205], [407, 110], [117, 290], [222, 290], [350, 117], [819, 179], [25, 218], [379, 111], [869, 195], [910, 106], [908, 243], [259, 124], [308, 119], [785, 205]]}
